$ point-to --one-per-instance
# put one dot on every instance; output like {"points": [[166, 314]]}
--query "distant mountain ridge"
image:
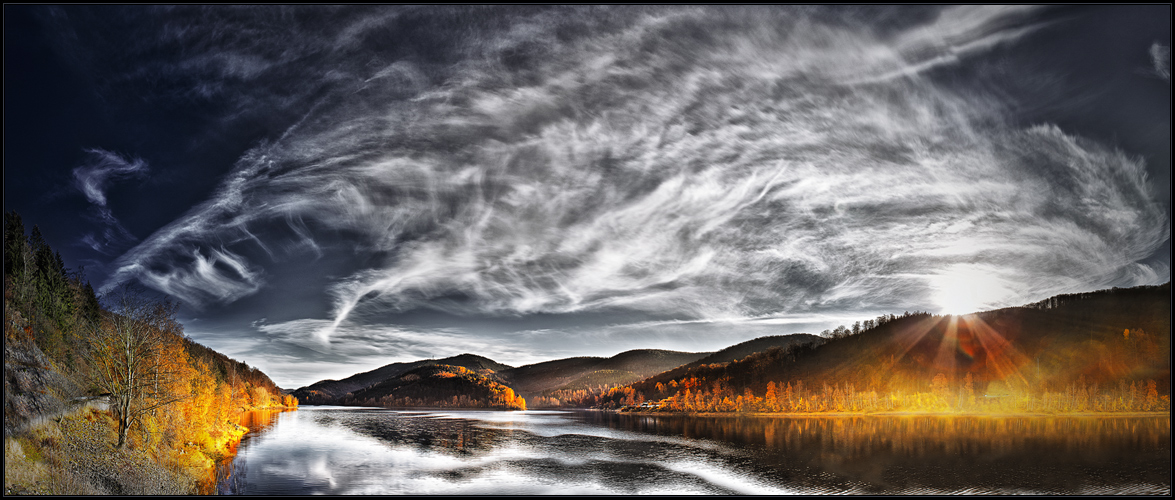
{"points": [[330, 391], [569, 374], [444, 386], [584, 380], [624, 368]]}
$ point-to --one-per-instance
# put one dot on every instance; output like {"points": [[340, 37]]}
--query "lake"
{"points": [[358, 451]]}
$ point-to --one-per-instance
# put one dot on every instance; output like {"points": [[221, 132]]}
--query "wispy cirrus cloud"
{"points": [[956, 33], [1161, 60], [695, 163], [220, 276], [92, 180]]}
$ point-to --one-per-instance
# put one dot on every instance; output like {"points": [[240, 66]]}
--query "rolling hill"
{"points": [[1101, 351], [744, 349], [330, 391], [445, 386], [583, 372], [1096, 342], [624, 368]]}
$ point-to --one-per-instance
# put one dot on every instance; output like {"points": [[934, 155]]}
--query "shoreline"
{"points": [[889, 414], [421, 409], [209, 484]]}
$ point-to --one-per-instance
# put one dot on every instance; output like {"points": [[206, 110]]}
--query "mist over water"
{"points": [[331, 450]]}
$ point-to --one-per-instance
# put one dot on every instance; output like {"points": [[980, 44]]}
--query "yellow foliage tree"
{"points": [[129, 351]]}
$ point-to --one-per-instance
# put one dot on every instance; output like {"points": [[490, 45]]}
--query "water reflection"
{"points": [[915, 453], [374, 451], [259, 421], [221, 478]]}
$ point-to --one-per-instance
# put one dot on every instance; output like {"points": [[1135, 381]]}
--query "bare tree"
{"points": [[131, 351]]}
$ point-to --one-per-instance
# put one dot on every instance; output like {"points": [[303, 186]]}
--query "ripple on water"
{"points": [[374, 451]]}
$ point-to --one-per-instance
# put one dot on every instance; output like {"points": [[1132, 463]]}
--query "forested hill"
{"points": [[1099, 351], [439, 385], [171, 402], [331, 391], [744, 349], [581, 373], [535, 380], [590, 388]]}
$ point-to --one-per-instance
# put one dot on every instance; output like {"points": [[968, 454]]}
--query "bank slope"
{"points": [[69, 384]]}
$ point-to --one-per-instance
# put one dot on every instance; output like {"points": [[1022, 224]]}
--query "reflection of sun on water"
{"points": [[967, 288]]}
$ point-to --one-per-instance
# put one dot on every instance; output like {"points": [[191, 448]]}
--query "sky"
{"points": [[327, 190]]}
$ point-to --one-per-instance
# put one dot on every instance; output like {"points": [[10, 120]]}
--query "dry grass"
{"points": [[74, 455], [31, 474]]}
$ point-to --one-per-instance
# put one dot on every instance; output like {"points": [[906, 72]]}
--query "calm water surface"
{"points": [[352, 451]]}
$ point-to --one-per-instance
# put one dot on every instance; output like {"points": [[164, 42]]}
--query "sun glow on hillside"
{"points": [[968, 288]]}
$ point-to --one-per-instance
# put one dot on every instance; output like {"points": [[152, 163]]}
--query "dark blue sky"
{"points": [[330, 189]]}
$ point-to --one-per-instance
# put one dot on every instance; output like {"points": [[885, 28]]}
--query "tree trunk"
{"points": [[124, 421]]}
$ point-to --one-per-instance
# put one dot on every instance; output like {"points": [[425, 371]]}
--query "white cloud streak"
{"points": [[957, 33], [1161, 60], [221, 276], [696, 163], [93, 180]]}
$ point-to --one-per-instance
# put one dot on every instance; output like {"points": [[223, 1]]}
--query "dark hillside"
{"points": [[330, 391], [1102, 344], [744, 349], [530, 379], [445, 386], [740, 351], [648, 361], [542, 380]]}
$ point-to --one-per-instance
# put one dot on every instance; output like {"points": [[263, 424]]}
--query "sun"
{"points": [[968, 288]]}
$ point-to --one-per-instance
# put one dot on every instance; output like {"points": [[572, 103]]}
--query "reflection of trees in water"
{"points": [[1057, 454], [814, 454], [225, 478], [450, 436], [259, 421]]}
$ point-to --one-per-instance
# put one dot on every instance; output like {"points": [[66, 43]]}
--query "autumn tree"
{"points": [[940, 386], [969, 389], [129, 350]]}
